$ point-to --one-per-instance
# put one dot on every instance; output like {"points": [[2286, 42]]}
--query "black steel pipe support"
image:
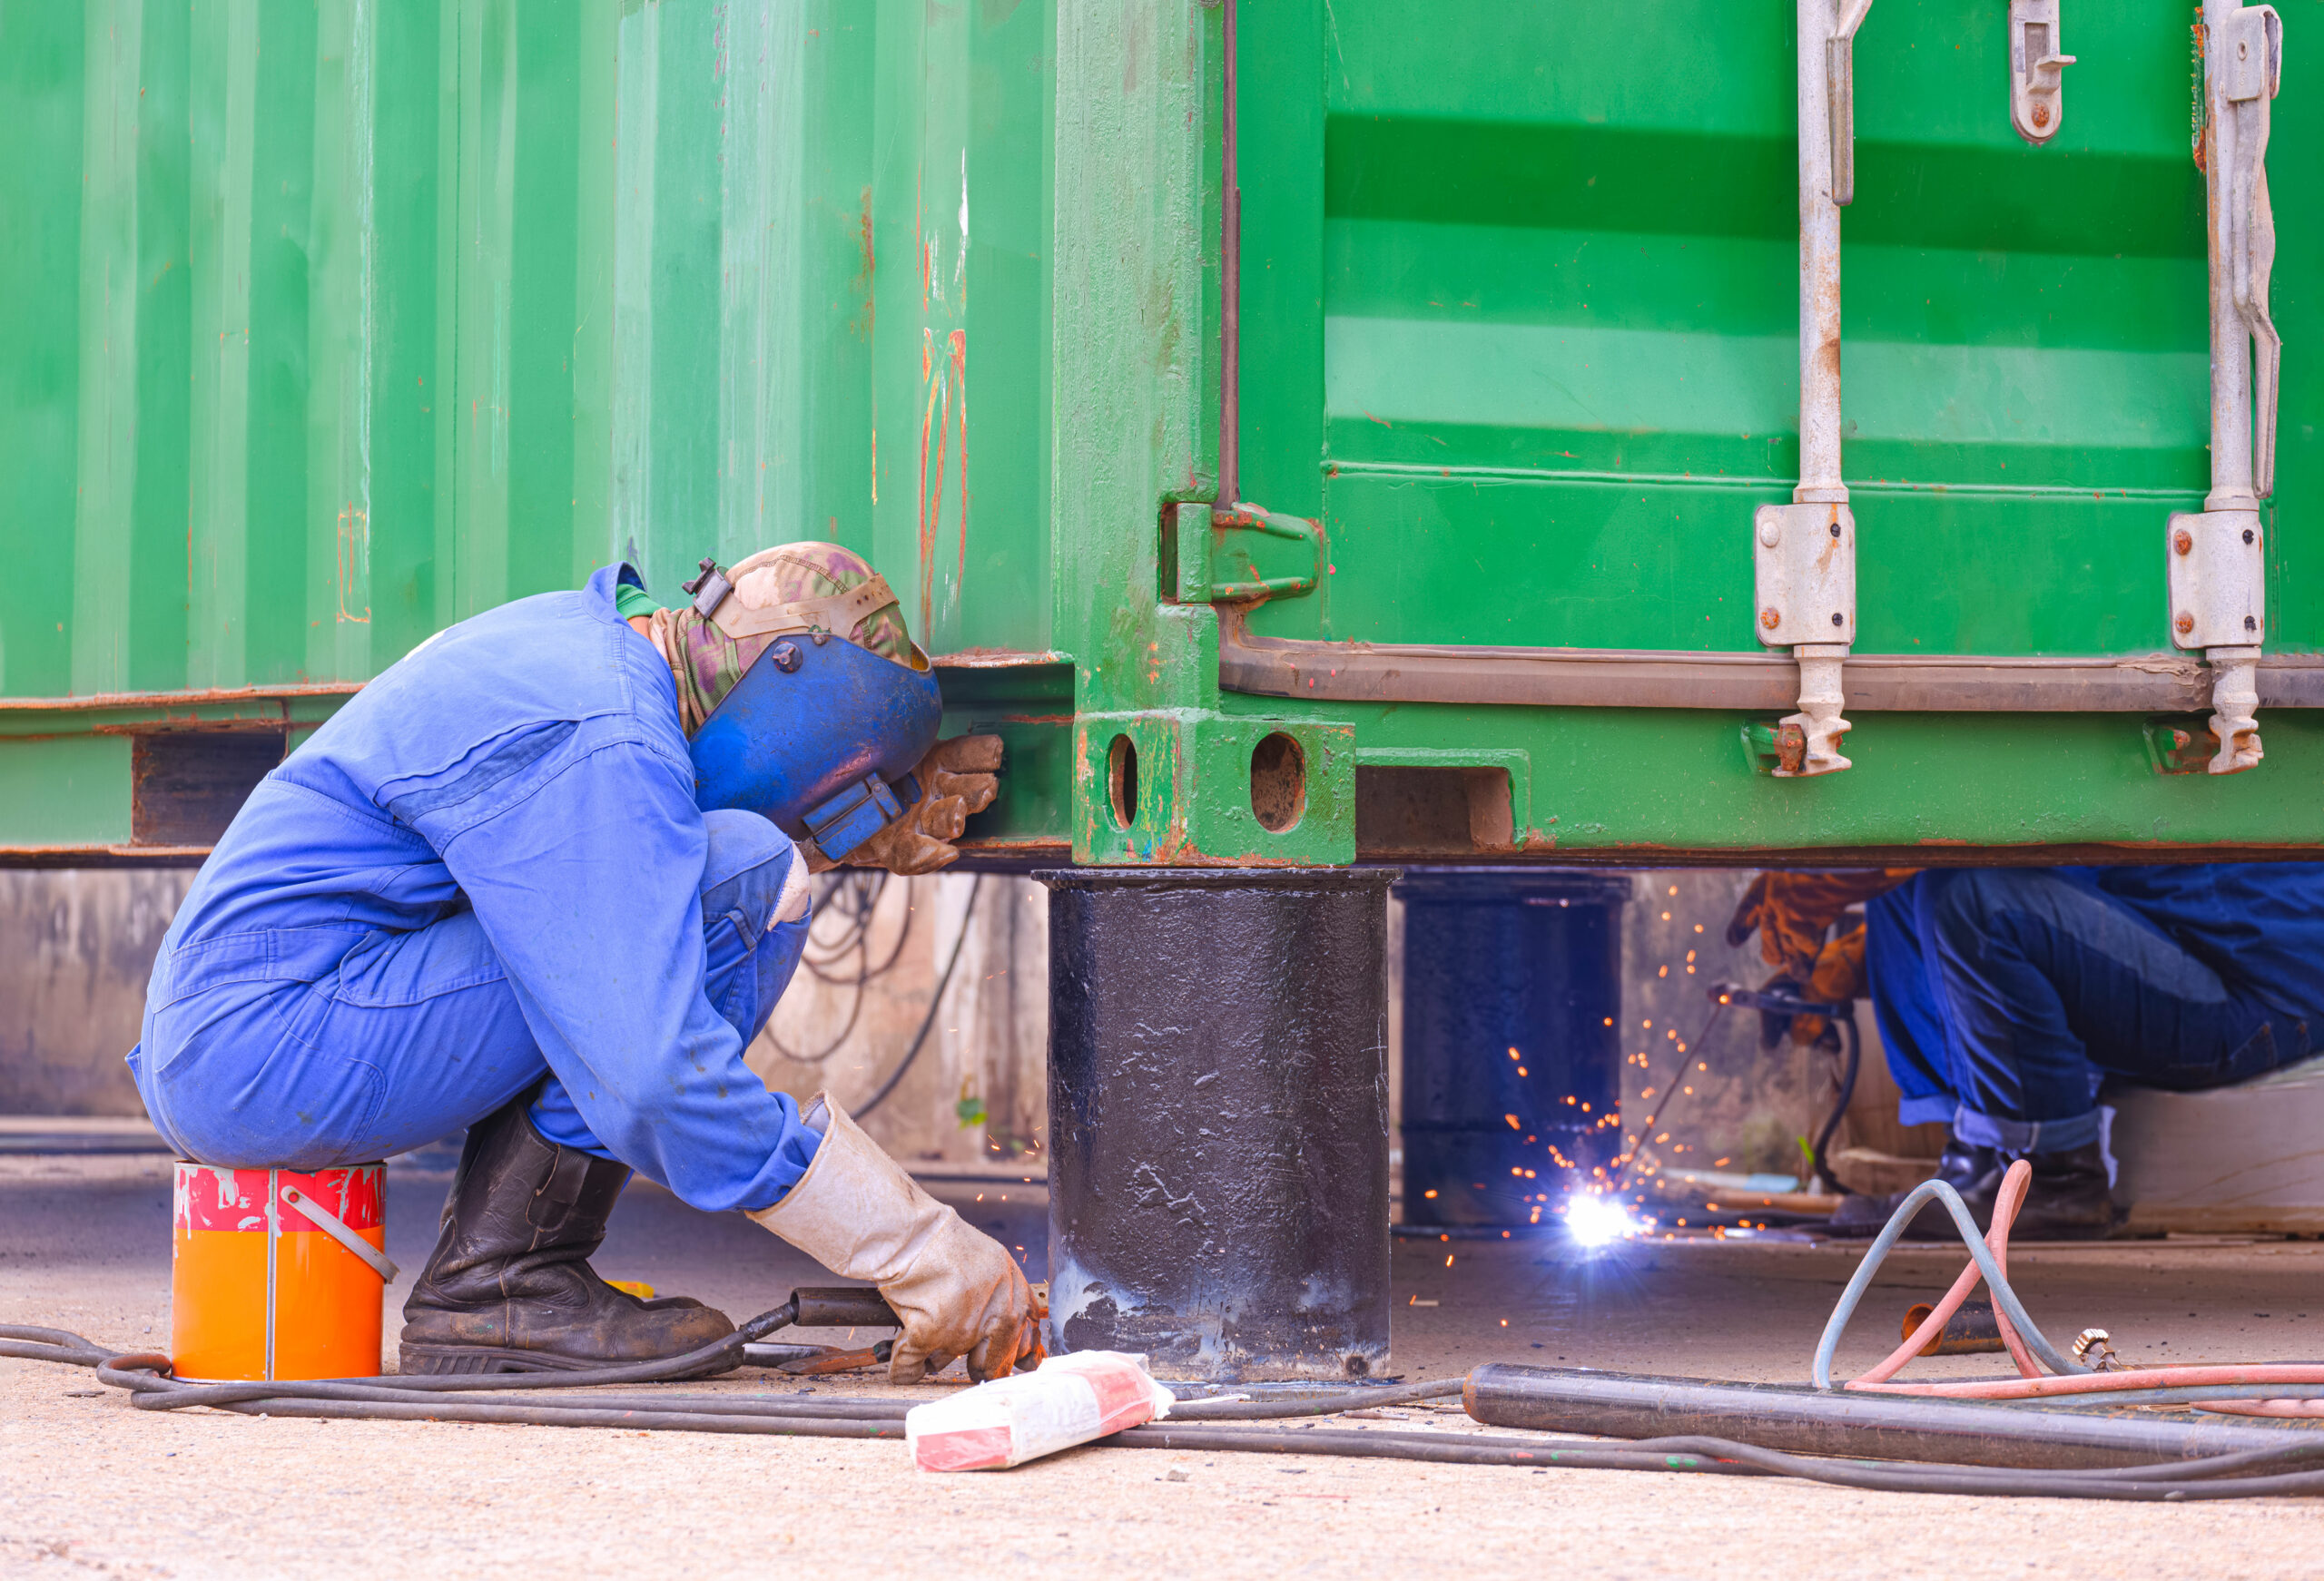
{"points": [[1219, 1118], [1888, 1426]]}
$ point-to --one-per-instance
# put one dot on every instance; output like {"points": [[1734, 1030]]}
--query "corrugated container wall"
{"points": [[325, 325]]}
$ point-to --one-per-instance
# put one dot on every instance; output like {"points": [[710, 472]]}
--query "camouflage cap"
{"points": [[789, 587]]}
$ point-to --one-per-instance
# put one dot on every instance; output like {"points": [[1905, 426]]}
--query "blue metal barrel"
{"points": [[1512, 1061]]}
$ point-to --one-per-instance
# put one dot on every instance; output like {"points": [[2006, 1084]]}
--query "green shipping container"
{"points": [[327, 323]]}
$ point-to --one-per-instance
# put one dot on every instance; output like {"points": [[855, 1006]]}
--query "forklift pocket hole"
{"points": [[1278, 782], [1121, 782]]}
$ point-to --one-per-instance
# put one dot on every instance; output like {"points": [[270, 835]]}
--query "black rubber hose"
{"points": [[532, 1414], [36, 1344], [1446, 1449], [1872, 1425], [1817, 1168], [935, 1000], [2212, 1477], [1319, 1405], [2170, 1483], [58, 1345], [139, 1376]]}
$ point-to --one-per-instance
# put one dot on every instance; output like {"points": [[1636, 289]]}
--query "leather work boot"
{"points": [[509, 1288], [1965, 1166], [2067, 1199]]}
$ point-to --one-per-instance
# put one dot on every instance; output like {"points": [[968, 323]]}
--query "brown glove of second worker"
{"points": [[1838, 978], [957, 778], [1792, 911]]}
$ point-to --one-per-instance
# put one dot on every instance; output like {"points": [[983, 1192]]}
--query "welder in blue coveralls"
{"points": [[545, 878], [2005, 996]]}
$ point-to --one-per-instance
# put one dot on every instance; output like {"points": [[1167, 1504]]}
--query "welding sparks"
{"points": [[1596, 1221]]}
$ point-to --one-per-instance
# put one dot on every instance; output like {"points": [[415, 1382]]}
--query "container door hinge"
{"points": [[1238, 555], [2036, 70], [2219, 606], [1804, 577]]}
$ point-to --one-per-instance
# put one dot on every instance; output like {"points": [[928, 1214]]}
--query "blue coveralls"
{"points": [[487, 869], [2005, 995]]}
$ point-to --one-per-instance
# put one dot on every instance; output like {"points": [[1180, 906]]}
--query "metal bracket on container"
{"points": [[1803, 562], [2218, 606], [1222, 554], [2218, 579], [2175, 747], [1804, 580], [2036, 70]]}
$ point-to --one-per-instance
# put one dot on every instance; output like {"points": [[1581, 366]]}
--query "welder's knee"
{"points": [[749, 862], [1966, 900]]}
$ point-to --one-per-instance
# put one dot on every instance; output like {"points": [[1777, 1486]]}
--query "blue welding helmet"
{"points": [[820, 736]]}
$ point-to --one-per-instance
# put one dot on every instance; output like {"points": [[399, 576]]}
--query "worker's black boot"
{"points": [[509, 1288], [1965, 1166], [2066, 1200]]}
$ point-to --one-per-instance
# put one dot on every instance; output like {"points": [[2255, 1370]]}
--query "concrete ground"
{"points": [[90, 1487]]}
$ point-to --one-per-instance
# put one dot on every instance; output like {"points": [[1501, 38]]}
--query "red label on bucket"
{"points": [[212, 1197]]}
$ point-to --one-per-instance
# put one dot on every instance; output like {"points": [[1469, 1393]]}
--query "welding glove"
{"points": [[1838, 978], [957, 1290], [1792, 912], [957, 778]]}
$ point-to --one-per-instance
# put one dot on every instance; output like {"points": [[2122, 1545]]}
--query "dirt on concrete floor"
{"points": [[94, 1487]]}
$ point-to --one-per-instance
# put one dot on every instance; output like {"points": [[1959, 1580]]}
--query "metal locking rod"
{"points": [[2216, 559], [1804, 553]]}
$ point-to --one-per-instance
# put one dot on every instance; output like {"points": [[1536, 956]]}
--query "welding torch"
{"points": [[859, 1306]]}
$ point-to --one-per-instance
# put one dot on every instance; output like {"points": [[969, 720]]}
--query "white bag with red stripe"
{"points": [[1066, 1400]]}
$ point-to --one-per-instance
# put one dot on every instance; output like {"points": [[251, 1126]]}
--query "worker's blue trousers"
{"points": [[2004, 996], [415, 1035]]}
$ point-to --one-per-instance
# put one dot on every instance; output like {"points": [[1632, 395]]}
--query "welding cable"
{"points": [[2208, 1478], [2189, 1385], [2006, 1304], [145, 1377], [1817, 1168], [2170, 1482], [1445, 1449], [1231, 1409], [59, 1345], [2180, 1385], [719, 1355], [2014, 1183], [935, 1000]]}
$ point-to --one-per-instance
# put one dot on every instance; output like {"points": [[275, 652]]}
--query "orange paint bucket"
{"points": [[276, 1274]]}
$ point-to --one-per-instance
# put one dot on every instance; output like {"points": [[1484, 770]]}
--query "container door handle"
{"points": [[2251, 58]]}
